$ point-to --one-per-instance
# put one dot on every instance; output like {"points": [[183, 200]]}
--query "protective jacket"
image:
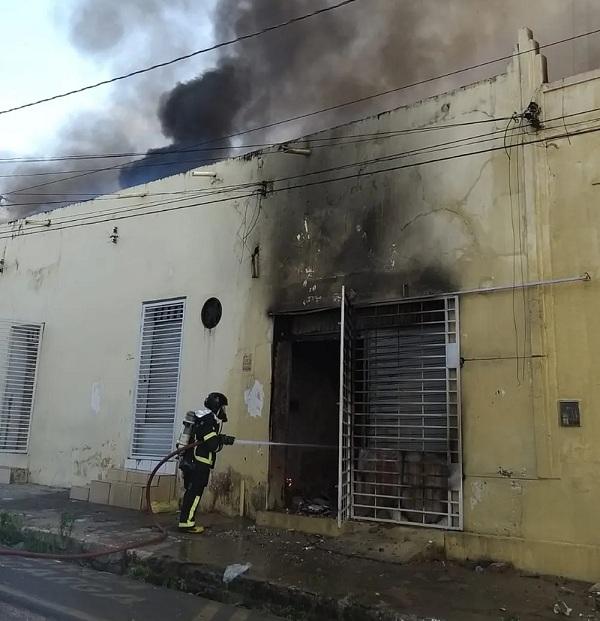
{"points": [[205, 430]]}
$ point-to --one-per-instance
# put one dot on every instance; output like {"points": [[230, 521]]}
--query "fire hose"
{"points": [[82, 556], [163, 533]]}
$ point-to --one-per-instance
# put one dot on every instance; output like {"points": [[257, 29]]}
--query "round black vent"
{"points": [[211, 313]]}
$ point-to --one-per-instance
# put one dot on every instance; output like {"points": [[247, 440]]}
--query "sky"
{"points": [[29, 68], [52, 46], [40, 59]]}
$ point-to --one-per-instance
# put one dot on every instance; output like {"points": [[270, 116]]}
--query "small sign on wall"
{"points": [[569, 413], [247, 363]]}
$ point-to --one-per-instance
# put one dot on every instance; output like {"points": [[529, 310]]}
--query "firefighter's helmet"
{"points": [[217, 402]]}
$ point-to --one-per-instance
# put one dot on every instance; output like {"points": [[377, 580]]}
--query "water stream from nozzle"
{"points": [[288, 444]]}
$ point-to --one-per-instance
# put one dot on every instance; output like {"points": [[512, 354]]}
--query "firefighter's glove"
{"points": [[227, 440]]}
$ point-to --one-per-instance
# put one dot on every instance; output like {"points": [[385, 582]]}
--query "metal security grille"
{"points": [[19, 352], [345, 405], [158, 379], [406, 427]]}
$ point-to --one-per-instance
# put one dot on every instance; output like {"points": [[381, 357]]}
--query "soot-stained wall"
{"points": [[404, 224]]}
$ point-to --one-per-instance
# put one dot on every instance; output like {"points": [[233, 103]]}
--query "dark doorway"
{"points": [[311, 473], [305, 411]]}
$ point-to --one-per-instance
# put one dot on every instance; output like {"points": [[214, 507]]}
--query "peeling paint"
{"points": [[96, 399], [254, 398], [477, 491]]}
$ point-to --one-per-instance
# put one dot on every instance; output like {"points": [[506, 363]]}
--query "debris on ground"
{"points": [[234, 571], [499, 567], [561, 608], [294, 570], [312, 506]]}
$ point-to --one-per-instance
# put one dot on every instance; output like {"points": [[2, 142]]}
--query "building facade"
{"points": [[412, 295]]}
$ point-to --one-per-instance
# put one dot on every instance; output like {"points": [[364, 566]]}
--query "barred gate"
{"points": [[345, 406], [19, 354], [406, 448]]}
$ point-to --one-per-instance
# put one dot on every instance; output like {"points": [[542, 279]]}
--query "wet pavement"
{"points": [[70, 593], [372, 570], [434, 588], [13, 613]]}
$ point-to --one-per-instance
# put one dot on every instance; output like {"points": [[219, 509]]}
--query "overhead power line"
{"points": [[116, 167], [178, 59], [355, 175], [467, 140], [321, 142], [427, 149], [327, 109], [275, 27]]}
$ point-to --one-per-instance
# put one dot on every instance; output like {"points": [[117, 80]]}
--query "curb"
{"points": [[206, 581], [280, 600]]}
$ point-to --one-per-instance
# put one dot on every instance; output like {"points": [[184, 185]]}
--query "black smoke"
{"points": [[370, 46], [195, 115], [365, 47], [278, 74]]}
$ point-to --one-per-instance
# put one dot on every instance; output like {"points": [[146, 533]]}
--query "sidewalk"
{"points": [[302, 576]]}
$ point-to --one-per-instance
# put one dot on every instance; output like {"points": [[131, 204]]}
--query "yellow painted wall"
{"points": [[531, 488], [532, 485]]}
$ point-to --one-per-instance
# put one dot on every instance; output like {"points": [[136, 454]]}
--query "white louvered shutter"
{"points": [[158, 379], [19, 352]]}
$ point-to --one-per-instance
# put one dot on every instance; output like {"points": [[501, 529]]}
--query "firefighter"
{"points": [[204, 426]]}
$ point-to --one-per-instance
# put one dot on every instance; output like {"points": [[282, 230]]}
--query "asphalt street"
{"points": [[33, 590]]}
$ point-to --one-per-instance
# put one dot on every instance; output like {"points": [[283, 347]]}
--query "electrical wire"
{"points": [[103, 197], [354, 101], [306, 115], [199, 162], [326, 142], [178, 59], [366, 162], [429, 149], [443, 146], [206, 162], [523, 255], [199, 193], [507, 147], [83, 173], [67, 201], [305, 185], [247, 185]]}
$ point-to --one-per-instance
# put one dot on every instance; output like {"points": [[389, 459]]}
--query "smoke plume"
{"points": [[368, 46], [193, 113]]}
